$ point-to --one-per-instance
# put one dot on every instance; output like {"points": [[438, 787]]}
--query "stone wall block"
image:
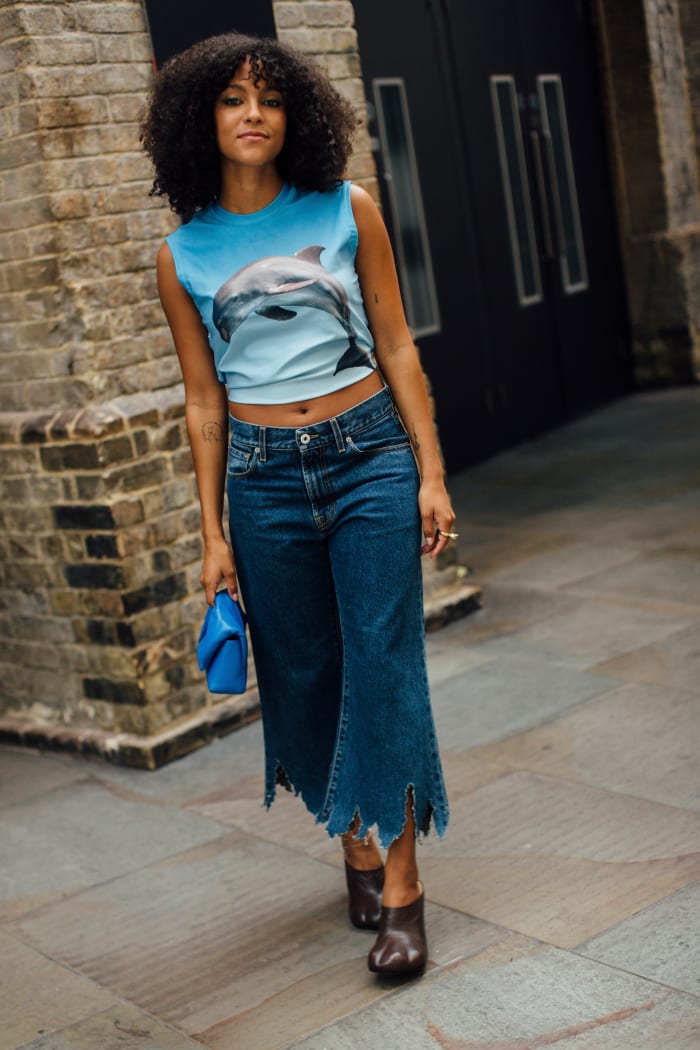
{"points": [[114, 47], [121, 692], [328, 13], [187, 550], [125, 109], [67, 50], [37, 19], [32, 213], [65, 113], [109, 18], [10, 24], [289, 15], [49, 629]]}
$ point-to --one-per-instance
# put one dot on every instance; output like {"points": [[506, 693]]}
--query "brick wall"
{"points": [[81, 320], [325, 29], [100, 551]]}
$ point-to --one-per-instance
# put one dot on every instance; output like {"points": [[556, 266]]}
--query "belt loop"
{"points": [[261, 445], [337, 434]]}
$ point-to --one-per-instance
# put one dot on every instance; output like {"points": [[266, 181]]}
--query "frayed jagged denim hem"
{"points": [[326, 536], [390, 826], [435, 816]]}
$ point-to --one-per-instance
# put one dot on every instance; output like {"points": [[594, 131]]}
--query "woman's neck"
{"points": [[245, 190]]}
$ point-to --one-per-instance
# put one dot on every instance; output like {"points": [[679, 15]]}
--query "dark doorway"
{"points": [[503, 132], [175, 24]]}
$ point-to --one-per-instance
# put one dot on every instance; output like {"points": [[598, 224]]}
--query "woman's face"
{"points": [[250, 121]]}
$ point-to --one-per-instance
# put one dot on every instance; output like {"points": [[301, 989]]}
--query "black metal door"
{"points": [[400, 53], [505, 118]]}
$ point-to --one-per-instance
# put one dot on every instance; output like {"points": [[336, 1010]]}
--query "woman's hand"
{"points": [[217, 565], [437, 516]]}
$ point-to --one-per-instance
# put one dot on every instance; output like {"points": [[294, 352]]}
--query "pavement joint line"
{"points": [[71, 895], [670, 988]]}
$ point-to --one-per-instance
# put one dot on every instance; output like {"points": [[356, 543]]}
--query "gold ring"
{"points": [[448, 535]]}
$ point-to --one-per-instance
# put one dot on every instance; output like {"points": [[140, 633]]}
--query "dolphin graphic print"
{"points": [[273, 285]]}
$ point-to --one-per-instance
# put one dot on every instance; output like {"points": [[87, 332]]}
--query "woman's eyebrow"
{"points": [[244, 85]]}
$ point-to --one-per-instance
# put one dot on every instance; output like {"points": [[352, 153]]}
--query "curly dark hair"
{"points": [[178, 130]]}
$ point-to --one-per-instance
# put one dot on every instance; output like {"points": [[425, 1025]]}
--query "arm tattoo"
{"points": [[376, 298], [415, 441], [212, 431]]}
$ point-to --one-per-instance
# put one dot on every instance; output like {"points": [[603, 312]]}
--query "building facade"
{"points": [[544, 206]]}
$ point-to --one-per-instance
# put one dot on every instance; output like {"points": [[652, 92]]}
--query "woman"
{"points": [[281, 293]]}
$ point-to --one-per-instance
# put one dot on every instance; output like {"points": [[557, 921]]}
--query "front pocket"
{"points": [[240, 462], [385, 435]]}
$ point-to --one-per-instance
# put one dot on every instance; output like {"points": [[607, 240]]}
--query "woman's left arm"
{"points": [[398, 360]]}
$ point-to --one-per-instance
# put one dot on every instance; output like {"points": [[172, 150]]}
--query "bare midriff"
{"points": [[302, 413]]}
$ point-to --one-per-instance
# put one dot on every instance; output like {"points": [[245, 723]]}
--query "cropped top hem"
{"points": [[294, 390], [279, 295]]}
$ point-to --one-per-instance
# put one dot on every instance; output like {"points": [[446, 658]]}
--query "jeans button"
{"points": [[305, 439]]}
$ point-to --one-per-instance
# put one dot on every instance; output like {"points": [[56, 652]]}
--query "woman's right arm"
{"points": [[206, 414]]}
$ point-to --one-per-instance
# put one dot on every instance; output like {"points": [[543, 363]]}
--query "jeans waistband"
{"points": [[327, 431]]}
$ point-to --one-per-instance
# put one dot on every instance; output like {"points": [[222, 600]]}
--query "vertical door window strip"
{"points": [[516, 190], [405, 200], [555, 130]]}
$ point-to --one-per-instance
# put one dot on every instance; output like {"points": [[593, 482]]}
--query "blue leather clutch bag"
{"points": [[222, 649]]}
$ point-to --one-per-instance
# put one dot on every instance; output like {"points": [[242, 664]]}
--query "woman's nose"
{"points": [[254, 112]]}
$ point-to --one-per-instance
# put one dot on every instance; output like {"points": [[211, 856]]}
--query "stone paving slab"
{"points": [[653, 526], [505, 608], [287, 822], [569, 564], [225, 760], [502, 552], [636, 739], [594, 633], [672, 661], [25, 774], [667, 576], [543, 999], [504, 696], [80, 834], [38, 995], [559, 861], [662, 942], [448, 663], [124, 1027]]}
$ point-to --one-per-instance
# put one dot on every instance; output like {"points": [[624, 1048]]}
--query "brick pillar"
{"points": [[651, 71]]}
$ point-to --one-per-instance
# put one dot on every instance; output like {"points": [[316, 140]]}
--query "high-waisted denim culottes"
{"points": [[326, 537]]}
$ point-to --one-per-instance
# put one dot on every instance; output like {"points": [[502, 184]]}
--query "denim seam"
{"points": [[338, 434], [333, 769]]}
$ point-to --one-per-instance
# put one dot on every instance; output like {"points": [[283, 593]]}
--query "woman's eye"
{"points": [[274, 102], [232, 100]]}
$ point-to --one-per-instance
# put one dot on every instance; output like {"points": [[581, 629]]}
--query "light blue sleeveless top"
{"points": [[279, 295]]}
